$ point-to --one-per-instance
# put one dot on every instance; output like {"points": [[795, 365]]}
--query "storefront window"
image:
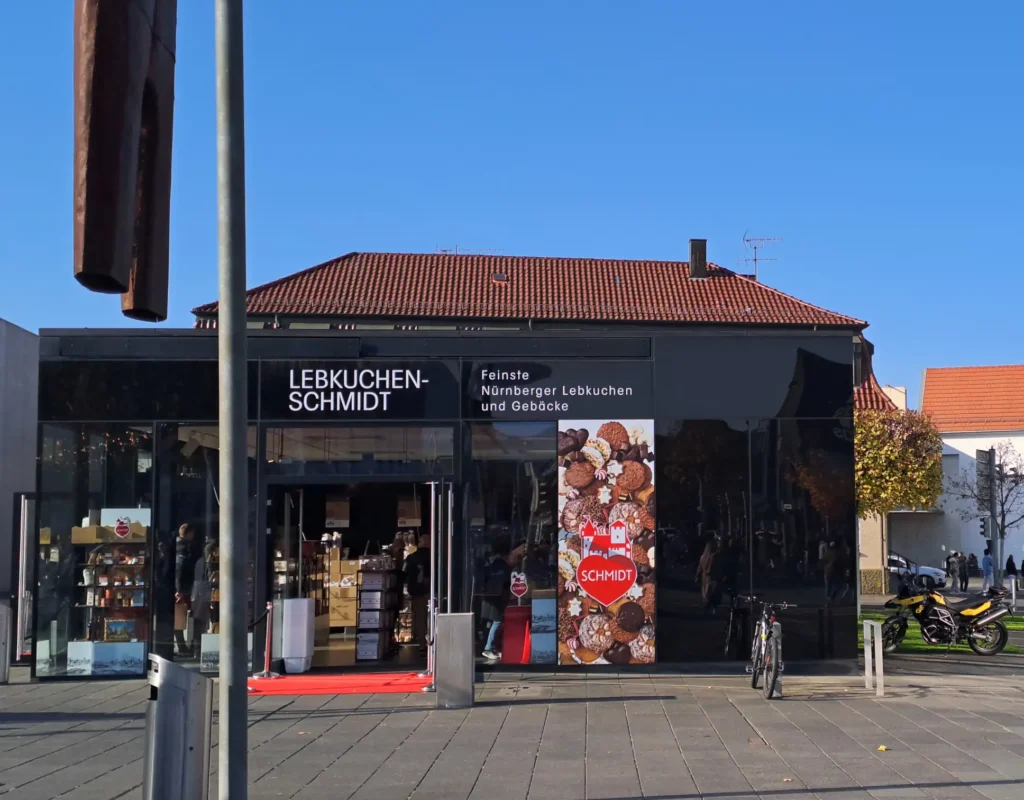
{"points": [[704, 544], [187, 601], [513, 553], [93, 592], [804, 537], [355, 451]]}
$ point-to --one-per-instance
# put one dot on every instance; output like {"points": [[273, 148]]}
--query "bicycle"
{"points": [[734, 626], [766, 647]]}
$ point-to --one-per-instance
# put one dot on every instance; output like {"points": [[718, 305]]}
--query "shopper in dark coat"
{"points": [[417, 582], [184, 580], [497, 577], [965, 574], [1011, 569]]}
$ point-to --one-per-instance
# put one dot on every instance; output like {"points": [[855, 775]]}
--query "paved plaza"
{"points": [[558, 737]]}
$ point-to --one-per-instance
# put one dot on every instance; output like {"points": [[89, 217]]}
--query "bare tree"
{"points": [[1008, 476]]}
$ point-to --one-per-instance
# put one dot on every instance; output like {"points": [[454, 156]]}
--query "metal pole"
{"points": [[997, 535], [868, 666], [451, 534], [431, 629], [231, 351]]}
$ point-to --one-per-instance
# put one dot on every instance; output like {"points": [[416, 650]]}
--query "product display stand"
{"points": [[378, 603]]}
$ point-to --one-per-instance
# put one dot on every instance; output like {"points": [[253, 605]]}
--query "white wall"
{"points": [[928, 537]]}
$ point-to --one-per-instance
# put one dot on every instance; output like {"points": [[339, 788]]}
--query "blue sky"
{"points": [[882, 144]]}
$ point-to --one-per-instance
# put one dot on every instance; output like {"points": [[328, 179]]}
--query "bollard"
{"points": [[179, 718], [455, 666], [777, 635], [873, 666], [5, 640]]}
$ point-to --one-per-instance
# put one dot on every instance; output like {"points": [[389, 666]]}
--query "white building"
{"points": [[974, 408]]}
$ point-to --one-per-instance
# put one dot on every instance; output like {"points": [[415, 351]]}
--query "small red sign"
{"points": [[606, 579], [519, 585], [122, 528]]}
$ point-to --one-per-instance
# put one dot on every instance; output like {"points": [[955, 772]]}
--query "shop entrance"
{"points": [[355, 569]]}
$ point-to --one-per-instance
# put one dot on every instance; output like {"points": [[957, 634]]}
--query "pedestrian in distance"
{"points": [[987, 571], [952, 571], [1011, 569], [965, 574]]}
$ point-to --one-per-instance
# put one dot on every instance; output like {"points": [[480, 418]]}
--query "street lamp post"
{"points": [[233, 411]]}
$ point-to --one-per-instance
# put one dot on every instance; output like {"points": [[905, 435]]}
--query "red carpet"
{"points": [[371, 683]]}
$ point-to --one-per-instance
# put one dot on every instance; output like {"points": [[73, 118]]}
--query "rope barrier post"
{"points": [[267, 675]]}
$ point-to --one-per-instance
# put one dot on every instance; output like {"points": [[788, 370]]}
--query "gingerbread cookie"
{"points": [[618, 653], [633, 477], [579, 475], [642, 647], [615, 434]]}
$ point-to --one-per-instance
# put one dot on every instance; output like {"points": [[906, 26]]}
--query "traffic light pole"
{"points": [[231, 346], [997, 538]]}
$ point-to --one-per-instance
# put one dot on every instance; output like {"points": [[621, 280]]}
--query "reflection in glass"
{"points": [[804, 540], [703, 561], [514, 495], [364, 450], [186, 609], [93, 569]]}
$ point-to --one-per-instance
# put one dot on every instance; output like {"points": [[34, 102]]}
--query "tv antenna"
{"points": [[463, 251], [756, 243]]}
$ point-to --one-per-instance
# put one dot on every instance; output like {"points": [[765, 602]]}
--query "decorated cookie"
{"points": [[642, 647], [571, 542], [627, 622], [630, 513], [568, 561], [647, 599], [640, 555], [597, 452], [577, 511], [596, 632]]}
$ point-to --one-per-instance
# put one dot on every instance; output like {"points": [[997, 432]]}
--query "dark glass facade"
{"points": [[746, 435]]}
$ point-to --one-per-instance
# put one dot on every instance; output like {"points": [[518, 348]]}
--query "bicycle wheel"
{"points": [[771, 666], [756, 658]]}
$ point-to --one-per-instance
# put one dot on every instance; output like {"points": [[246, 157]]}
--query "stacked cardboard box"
{"points": [[343, 589]]}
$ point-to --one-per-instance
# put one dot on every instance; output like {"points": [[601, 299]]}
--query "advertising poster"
{"points": [[607, 524]]}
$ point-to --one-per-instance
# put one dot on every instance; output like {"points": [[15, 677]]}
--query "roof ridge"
{"points": [[975, 367]]}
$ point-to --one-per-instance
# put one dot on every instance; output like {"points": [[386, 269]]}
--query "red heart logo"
{"points": [[121, 528], [606, 579], [519, 585]]}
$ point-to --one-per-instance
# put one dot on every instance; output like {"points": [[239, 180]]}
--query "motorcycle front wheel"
{"points": [[995, 638], [893, 631]]}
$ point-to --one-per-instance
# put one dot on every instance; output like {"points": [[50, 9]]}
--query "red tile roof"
{"points": [[870, 397], [969, 399], [442, 285]]}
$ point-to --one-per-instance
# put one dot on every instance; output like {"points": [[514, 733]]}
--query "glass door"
{"points": [[442, 504], [25, 513]]}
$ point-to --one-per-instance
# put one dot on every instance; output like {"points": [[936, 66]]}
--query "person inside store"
{"points": [[184, 580], [497, 577], [417, 582], [202, 592]]}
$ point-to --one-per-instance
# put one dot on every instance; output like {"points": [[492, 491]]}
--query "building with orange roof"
{"points": [[974, 408]]}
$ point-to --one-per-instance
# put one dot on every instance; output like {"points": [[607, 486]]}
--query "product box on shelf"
{"points": [[379, 619], [344, 614], [376, 599], [376, 580]]}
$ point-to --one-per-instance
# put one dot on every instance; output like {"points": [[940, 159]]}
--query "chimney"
{"points": [[698, 259]]}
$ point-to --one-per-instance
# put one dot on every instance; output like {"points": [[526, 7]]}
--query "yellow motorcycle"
{"points": [[975, 620]]}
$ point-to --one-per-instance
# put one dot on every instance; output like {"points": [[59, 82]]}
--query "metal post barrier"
{"points": [[5, 640], [777, 635], [455, 665], [873, 667], [431, 607], [267, 673], [1013, 592], [179, 717]]}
